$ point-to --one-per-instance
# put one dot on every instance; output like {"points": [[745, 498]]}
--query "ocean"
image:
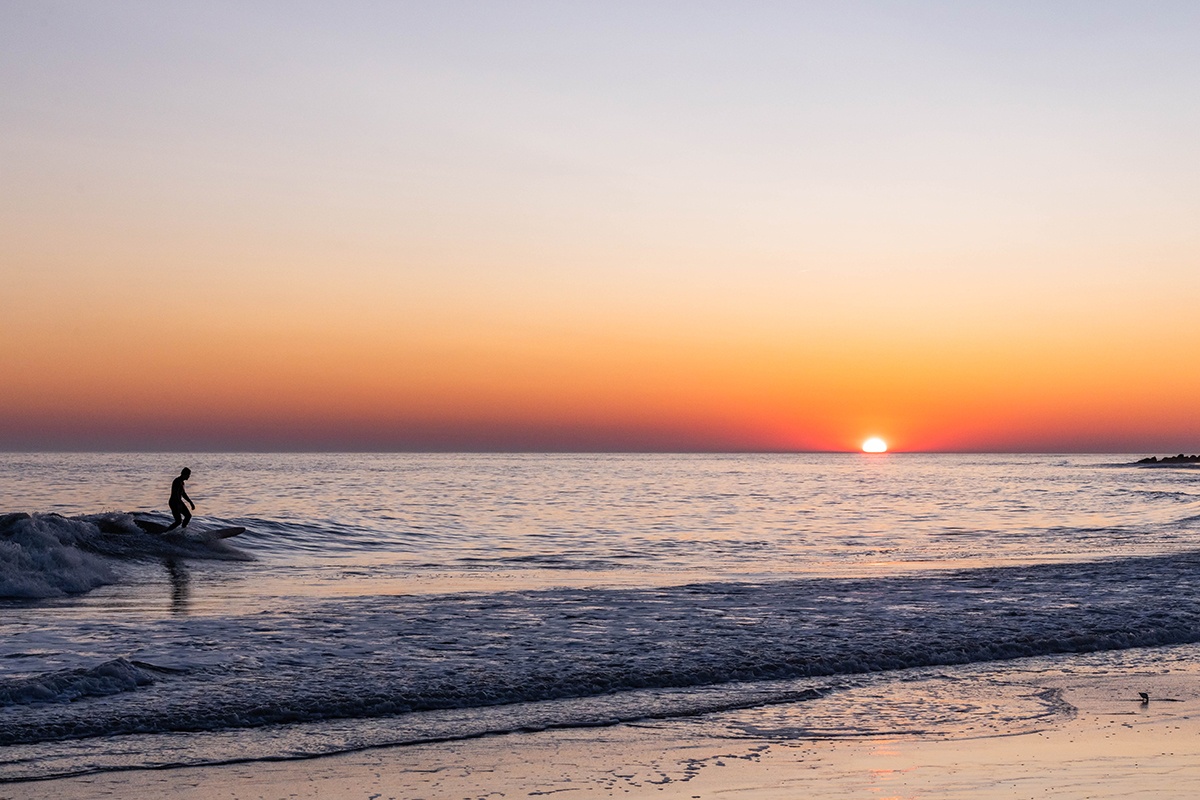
{"points": [[396, 599]]}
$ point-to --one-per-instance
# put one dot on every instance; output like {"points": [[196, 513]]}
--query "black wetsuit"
{"points": [[179, 508]]}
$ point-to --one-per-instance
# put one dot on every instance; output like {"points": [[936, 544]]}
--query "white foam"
{"points": [[65, 686], [40, 556]]}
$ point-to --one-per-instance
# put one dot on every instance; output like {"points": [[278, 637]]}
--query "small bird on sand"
{"points": [[1145, 697]]}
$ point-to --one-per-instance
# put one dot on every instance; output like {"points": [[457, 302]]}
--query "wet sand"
{"points": [[1112, 746]]}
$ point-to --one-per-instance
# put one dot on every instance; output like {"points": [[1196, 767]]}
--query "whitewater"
{"points": [[393, 599]]}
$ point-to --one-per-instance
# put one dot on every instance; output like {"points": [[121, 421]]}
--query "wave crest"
{"points": [[44, 555], [49, 555], [111, 677]]}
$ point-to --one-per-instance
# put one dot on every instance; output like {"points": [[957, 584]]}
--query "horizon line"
{"points": [[145, 451]]}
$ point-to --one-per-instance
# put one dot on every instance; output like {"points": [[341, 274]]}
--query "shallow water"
{"points": [[399, 598]]}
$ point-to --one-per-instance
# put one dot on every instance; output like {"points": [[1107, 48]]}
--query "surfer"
{"points": [[178, 495]]}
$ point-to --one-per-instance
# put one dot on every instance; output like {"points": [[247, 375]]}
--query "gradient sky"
{"points": [[642, 226]]}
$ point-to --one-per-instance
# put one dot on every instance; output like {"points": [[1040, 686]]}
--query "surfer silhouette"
{"points": [[178, 495]]}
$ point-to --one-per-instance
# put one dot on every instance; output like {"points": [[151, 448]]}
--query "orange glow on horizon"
{"points": [[363, 387]]}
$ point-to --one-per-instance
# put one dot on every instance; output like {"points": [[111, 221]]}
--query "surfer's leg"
{"points": [[187, 515], [178, 512]]}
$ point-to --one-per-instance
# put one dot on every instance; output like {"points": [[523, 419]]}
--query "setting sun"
{"points": [[874, 445]]}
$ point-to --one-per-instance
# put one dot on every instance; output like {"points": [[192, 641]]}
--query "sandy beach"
{"points": [[1110, 745]]}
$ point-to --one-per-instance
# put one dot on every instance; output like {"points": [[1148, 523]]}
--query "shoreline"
{"points": [[1111, 745]]}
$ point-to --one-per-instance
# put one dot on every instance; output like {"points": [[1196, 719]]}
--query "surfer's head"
{"points": [[186, 473]]}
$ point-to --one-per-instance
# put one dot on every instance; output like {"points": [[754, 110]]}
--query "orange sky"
{"points": [[267, 230]]}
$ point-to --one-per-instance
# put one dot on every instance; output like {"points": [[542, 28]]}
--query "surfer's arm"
{"points": [[185, 497]]}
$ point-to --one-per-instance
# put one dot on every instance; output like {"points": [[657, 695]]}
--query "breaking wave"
{"points": [[49, 555], [65, 686]]}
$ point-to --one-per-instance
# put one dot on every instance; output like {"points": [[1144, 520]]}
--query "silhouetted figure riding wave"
{"points": [[178, 495]]}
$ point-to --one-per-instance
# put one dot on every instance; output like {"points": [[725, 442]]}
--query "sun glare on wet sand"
{"points": [[874, 445]]}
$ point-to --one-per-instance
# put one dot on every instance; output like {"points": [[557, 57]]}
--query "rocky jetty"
{"points": [[1179, 459]]}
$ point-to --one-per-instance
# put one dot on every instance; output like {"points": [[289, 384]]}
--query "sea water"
{"points": [[391, 599]]}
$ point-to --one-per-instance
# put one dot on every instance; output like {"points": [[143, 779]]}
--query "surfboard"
{"points": [[223, 533], [150, 526]]}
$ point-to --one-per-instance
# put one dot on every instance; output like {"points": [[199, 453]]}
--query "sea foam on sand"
{"points": [[1110, 745]]}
